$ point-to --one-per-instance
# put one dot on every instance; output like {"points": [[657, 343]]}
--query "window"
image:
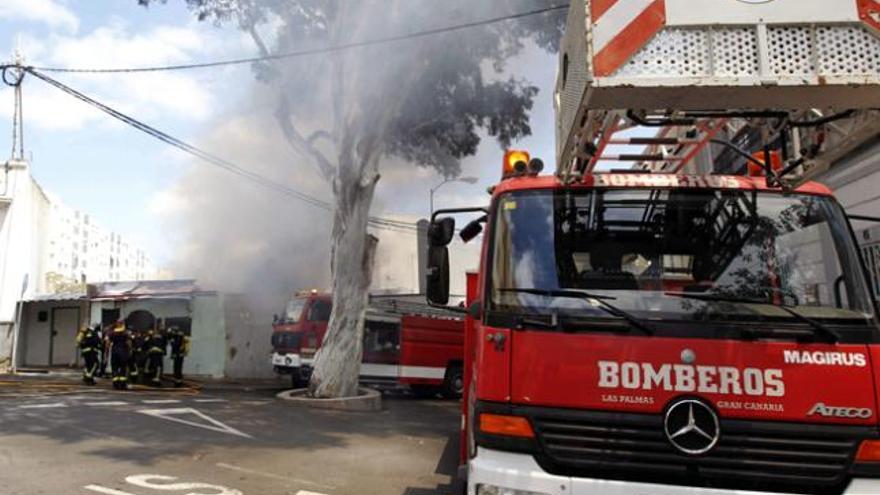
{"points": [[381, 337], [565, 64], [320, 310], [639, 246], [294, 310]]}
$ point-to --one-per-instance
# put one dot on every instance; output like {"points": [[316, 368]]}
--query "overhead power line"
{"points": [[377, 222], [313, 51]]}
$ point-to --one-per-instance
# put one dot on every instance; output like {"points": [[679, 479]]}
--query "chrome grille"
{"points": [[784, 457]]}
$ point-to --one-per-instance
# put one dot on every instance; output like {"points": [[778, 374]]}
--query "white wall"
{"points": [[35, 335], [207, 354], [248, 339], [397, 269], [22, 233], [856, 183]]}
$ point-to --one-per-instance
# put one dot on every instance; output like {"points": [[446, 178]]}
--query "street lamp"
{"points": [[466, 180]]}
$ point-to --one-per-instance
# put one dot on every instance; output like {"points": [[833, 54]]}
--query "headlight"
{"points": [[498, 490]]}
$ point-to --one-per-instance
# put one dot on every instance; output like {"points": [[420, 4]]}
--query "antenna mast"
{"points": [[17, 77]]}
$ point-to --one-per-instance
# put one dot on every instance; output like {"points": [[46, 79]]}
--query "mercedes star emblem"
{"points": [[692, 427], [688, 356]]}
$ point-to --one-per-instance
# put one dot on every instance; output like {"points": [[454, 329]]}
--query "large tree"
{"points": [[423, 99]]}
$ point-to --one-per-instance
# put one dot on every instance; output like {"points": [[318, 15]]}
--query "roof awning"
{"points": [[62, 297], [145, 289]]}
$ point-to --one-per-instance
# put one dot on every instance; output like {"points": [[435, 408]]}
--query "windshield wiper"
{"points": [[601, 299], [818, 327], [524, 321]]}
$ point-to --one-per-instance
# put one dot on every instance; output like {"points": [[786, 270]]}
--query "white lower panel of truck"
{"points": [[397, 371], [498, 471]]}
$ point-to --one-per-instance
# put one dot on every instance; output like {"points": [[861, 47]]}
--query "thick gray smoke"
{"points": [[437, 93], [236, 236]]}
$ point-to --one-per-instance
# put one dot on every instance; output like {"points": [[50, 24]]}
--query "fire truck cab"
{"points": [[298, 332], [643, 333]]}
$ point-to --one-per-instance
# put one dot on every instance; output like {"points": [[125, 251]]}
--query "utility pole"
{"points": [[18, 113], [466, 180]]}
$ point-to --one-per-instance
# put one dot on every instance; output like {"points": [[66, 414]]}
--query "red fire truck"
{"points": [[297, 333], [405, 343], [668, 328]]}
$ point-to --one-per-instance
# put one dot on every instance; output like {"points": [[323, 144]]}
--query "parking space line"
{"points": [[161, 401], [105, 490], [209, 400], [43, 406], [175, 415], [276, 477], [107, 403]]}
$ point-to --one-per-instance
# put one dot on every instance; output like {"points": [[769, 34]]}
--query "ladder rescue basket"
{"points": [[682, 55]]}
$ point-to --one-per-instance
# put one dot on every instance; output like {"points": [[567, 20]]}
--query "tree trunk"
{"points": [[338, 361]]}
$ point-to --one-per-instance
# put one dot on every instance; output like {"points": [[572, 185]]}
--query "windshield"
{"points": [[294, 310], [641, 247]]}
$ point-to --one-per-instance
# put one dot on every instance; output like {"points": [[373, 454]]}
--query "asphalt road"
{"points": [[85, 442]]}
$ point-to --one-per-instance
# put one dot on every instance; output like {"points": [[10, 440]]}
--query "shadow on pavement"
{"points": [[448, 466], [403, 429]]}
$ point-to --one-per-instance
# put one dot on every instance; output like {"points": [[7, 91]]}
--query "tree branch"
{"points": [[261, 46], [300, 144], [304, 147], [318, 135]]}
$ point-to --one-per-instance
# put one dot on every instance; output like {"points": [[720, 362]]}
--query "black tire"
{"points": [[453, 384]]}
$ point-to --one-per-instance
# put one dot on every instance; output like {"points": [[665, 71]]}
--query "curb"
{"points": [[369, 400]]}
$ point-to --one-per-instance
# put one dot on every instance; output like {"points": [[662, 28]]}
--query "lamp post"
{"points": [[466, 180]]}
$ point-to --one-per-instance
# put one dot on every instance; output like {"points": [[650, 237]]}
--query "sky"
{"points": [[125, 179]]}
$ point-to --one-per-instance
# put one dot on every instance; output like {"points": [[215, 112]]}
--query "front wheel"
{"points": [[453, 384]]}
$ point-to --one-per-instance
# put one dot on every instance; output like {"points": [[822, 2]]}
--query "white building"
{"points": [[47, 247], [81, 251], [856, 183], [24, 213], [401, 259]]}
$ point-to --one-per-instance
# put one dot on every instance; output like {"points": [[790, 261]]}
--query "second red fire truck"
{"points": [[405, 343]]}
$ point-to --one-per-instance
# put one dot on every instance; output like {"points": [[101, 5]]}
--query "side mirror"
{"points": [[441, 232], [438, 274], [475, 310], [473, 229]]}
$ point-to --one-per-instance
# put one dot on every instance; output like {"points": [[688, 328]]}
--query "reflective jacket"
{"points": [[120, 340], [156, 344], [179, 343], [89, 341]]}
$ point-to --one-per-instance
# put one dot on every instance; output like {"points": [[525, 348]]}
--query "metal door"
{"points": [[62, 349]]}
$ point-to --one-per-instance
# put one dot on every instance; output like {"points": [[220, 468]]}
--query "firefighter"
{"points": [[102, 350], [179, 349], [139, 356], [90, 347], [120, 354], [155, 347]]}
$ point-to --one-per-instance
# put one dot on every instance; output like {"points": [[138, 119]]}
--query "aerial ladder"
{"points": [[788, 87]]}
